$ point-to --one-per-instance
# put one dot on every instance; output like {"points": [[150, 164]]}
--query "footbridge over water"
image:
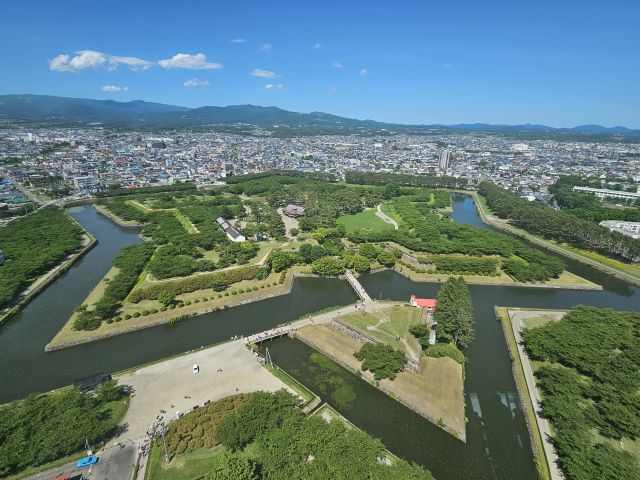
{"points": [[353, 281]]}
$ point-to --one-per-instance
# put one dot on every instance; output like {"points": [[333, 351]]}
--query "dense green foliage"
{"points": [[43, 428], [124, 211], [405, 180], [176, 187], [454, 313], [538, 219], [287, 445], [439, 351], [32, 246], [327, 266], [381, 359], [131, 262], [592, 384], [286, 173], [198, 282]]}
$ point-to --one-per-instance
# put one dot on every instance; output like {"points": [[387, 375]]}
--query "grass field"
{"points": [[386, 331], [184, 466], [387, 210], [483, 201], [534, 322], [366, 219]]}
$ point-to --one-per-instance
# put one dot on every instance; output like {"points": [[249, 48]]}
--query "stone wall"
{"points": [[115, 219], [362, 338]]}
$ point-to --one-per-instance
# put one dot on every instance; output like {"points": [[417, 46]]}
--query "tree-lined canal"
{"points": [[498, 442]]}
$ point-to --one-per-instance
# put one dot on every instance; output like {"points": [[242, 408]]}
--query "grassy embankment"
{"points": [[502, 315], [590, 257], [386, 328], [67, 334]]}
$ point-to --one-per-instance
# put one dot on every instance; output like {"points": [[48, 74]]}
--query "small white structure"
{"points": [[233, 233], [196, 369]]}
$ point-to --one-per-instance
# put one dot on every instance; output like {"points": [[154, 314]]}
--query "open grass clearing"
{"points": [[534, 322], [367, 219], [183, 466], [388, 211]]}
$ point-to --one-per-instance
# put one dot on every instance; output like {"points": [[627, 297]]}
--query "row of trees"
{"points": [[405, 180], [537, 219], [591, 386], [325, 177], [121, 192], [454, 313], [285, 444], [45, 427], [32, 246]]}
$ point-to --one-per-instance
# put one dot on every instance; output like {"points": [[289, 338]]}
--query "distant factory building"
{"points": [[445, 160], [233, 234]]}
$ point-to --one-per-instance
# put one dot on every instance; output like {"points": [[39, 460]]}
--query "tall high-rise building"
{"points": [[445, 159]]}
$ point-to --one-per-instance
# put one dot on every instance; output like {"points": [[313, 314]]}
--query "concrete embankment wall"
{"points": [[461, 435], [115, 219]]}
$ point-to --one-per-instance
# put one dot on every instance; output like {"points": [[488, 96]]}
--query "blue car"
{"points": [[85, 462]]}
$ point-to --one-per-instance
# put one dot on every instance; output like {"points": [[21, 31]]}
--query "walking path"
{"points": [[534, 395], [386, 218]]}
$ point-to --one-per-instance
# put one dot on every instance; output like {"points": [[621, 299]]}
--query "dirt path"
{"points": [[534, 395], [386, 218], [289, 223]]}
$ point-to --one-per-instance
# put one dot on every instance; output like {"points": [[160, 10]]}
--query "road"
{"points": [[115, 463], [534, 395], [386, 218]]}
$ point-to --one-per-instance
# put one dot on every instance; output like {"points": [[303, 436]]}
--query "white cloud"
{"points": [[263, 73], [364, 71], [194, 82], [192, 62], [113, 88], [317, 45], [90, 59], [270, 86], [337, 65], [266, 48], [333, 91], [237, 40]]}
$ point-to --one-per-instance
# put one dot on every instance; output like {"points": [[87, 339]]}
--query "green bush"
{"points": [[216, 309], [205, 299], [117, 319], [172, 306], [254, 288], [180, 304], [153, 310], [225, 307], [274, 284], [163, 309], [234, 292], [196, 301], [188, 302], [219, 295], [127, 316], [145, 313], [261, 286], [109, 320], [226, 294], [429, 271], [135, 314], [439, 351]]}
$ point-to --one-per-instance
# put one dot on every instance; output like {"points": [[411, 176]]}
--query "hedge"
{"points": [[439, 351], [199, 282]]}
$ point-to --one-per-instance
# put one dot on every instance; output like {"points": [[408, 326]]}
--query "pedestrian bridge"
{"points": [[353, 281]]}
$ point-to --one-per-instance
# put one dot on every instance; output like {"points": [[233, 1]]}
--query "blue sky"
{"points": [[560, 63]]}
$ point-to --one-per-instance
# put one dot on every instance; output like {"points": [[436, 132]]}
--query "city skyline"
{"points": [[404, 63]]}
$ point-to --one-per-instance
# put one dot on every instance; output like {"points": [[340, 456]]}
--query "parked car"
{"points": [[85, 462], [196, 369]]}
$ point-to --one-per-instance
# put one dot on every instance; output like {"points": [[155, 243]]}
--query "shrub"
{"points": [[216, 309], [205, 299], [226, 294], [499, 274], [219, 295], [145, 313], [109, 320], [180, 304], [429, 271], [188, 302], [493, 274], [163, 309], [127, 316], [455, 272], [233, 292], [261, 286], [117, 319], [439, 351], [153, 310], [274, 284], [467, 272], [135, 314], [254, 288], [172, 306], [226, 307], [196, 301]]}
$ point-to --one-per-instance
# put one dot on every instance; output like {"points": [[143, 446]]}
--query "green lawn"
{"points": [[401, 319], [534, 322], [185, 466], [366, 219], [387, 210]]}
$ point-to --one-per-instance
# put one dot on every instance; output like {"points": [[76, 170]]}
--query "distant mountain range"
{"points": [[45, 109]]}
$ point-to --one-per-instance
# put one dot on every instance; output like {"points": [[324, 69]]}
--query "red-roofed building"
{"points": [[428, 303]]}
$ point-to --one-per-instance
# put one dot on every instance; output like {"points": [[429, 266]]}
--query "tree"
{"points": [[397, 253], [381, 359], [294, 232], [327, 266], [232, 467], [114, 186], [317, 251], [386, 258], [109, 391], [454, 313], [305, 252], [392, 189], [361, 264], [166, 297], [368, 250], [218, 285]]}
